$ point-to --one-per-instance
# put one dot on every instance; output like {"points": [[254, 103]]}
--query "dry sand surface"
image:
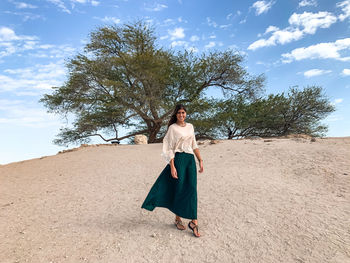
{"points": [[278, 200]]}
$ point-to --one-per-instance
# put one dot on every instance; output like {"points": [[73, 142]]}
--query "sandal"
{"points": [[179, 225], [193, 228]]}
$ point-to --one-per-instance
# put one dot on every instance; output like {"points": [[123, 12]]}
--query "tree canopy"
{"points": [[123, 79], [297, 112]]}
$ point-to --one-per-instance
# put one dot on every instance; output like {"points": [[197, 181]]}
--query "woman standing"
{"points": [[176, 186]]}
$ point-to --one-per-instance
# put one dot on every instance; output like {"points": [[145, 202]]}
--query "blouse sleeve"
{"points": [[168, 145], [194, 142]]}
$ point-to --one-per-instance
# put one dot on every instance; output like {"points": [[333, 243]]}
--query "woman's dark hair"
{"points": [[173, 118]]}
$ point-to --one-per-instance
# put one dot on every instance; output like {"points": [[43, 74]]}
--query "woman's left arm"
{"points": [[200, 160], [196, 151]]}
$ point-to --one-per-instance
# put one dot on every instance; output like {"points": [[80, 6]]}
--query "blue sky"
{"points": [[294, 42]]}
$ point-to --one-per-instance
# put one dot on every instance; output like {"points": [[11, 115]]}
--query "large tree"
{"points": [[124, 79]]}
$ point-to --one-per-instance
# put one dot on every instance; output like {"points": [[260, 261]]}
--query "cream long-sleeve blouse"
{"points": [[178, 139]]}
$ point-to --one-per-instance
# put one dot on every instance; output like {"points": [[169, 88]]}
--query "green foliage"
{"points": [[298, 112], [123, 79]]}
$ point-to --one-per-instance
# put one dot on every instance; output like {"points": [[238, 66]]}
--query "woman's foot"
{"points": [[179, 224], [194, 228]]}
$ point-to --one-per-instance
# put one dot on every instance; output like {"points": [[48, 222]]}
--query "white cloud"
{"points": [[337, 101], [334, 117], [346, 72], [47, 46], [328, 50], [22, 5], [262, 7], [181, 20], [11, 43], [149, 20], [271, 29], [8, 49], [307, 3], [7, 34], [345, 6], [315, 72], [179, 43], [61, 5], [278, 37], [28, 45], [232, 16], [211, 22], [225, 26], [5, 103], [168, 21], [211, 44], [19, 46], [109, 19], [26, 15], [157, 7], [92, 2], [79, 1], [192, 49], [61, 51], [22, 113], [311, 21], [184, 44], [36, 79], [243, 21], [177, 33], [285, 36], [194, 38], [300, 25], [233, 47]]}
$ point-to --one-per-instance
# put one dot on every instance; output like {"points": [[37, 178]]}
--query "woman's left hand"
{"points": [[201, 166]]}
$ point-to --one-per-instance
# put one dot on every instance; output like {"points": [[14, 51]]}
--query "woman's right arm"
{"points": [[173, 169], [168, 151]]}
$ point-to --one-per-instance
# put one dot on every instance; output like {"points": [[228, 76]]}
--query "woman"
{"points": [[176, 186]]}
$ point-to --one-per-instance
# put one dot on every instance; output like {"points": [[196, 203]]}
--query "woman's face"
{"points": [[181, 115]]}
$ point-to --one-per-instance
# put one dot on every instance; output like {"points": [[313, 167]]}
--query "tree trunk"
{"points": [[153, 131]]}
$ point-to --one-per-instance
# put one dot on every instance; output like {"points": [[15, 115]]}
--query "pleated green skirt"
{"points": [[178, 195]]}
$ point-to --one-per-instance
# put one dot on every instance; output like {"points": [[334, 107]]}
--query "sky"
{"points": [[294, 43]]}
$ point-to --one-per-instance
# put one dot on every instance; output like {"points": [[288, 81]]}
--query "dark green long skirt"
{"points": [[178, 195]]}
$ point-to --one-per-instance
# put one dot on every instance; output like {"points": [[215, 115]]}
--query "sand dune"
{"points": [[277, 200]]}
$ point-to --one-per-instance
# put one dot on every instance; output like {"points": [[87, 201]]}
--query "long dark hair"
{"points": [[173, 118]]}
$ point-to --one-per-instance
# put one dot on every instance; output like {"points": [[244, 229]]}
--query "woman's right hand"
{"points": [[174, 172]]}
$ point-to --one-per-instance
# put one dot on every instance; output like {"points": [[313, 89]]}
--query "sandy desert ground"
{"points": [[276, 200]]}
